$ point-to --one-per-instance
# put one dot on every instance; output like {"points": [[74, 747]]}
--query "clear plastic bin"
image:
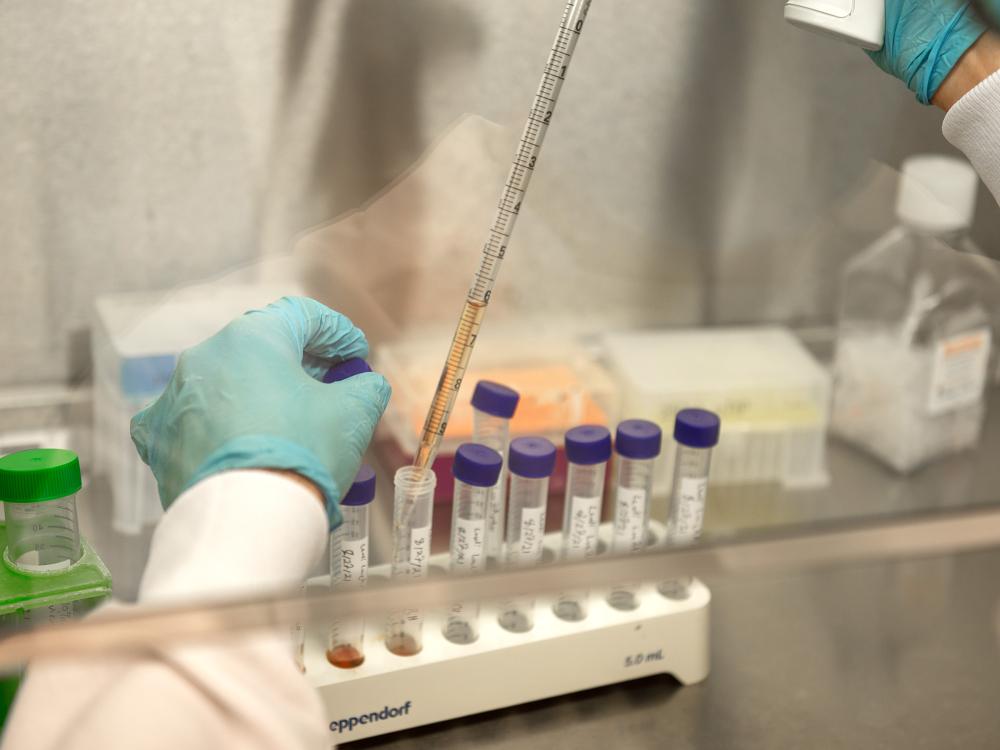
{"points": [[135, 344], [45, 416], [560, 382]]}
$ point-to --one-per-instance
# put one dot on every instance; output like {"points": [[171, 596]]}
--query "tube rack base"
{"points": [[388, 693]]}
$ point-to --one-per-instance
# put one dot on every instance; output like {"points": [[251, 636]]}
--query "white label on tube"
{"points": [[630, 512], [468, 552], [959, 371], [584, 520], [529, 543], [494, 519], [420, 547], [690, 510], [353, 563]]}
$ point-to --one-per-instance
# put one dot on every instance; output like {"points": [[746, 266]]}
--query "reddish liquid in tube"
{"points": [[345, 657]]}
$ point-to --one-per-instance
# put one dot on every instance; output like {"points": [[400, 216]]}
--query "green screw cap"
{"points": [[38, 475]]}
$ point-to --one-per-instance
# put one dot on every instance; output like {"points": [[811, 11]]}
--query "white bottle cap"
{"points": [[937, 193]]}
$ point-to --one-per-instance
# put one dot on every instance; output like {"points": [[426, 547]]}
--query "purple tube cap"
{"points": [[532, 457], [477, 465], [638, 439], [346, 369], [588, 444], [697, 428], [495, 399], [362, 490]]}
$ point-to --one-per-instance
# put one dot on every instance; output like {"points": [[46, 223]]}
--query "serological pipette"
{"points": [[515, 187]]}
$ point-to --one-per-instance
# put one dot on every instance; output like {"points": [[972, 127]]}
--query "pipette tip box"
{"points": [[389, 693]]}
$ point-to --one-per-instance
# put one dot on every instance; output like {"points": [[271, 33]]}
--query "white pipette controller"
{"points": [[860, 22]]}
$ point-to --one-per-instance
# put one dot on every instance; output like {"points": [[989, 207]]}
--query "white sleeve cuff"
{"points": [[237, 532], [973, 125]]}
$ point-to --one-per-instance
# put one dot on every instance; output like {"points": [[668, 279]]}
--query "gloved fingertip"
{"points": [[357, 344], [380, 387], [319, 330], [343, 340]]}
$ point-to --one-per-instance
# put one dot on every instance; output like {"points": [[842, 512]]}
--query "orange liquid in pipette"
{"points": [[450, 381]]}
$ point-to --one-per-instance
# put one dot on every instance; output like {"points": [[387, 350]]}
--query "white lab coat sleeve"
{"points": [[236, 532], [973, 125]]}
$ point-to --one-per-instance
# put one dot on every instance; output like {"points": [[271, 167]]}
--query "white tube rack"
{"points": [[388, 693]]}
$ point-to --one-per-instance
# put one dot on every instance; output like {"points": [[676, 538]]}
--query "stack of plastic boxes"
{"points": [[136, 341], [772, 395], [559, 381]]}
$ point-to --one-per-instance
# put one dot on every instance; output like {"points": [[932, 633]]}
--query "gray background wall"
{"points": [[721, 160]]}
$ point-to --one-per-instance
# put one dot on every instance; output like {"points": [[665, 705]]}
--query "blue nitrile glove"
{"points": [[924, 39], [251, 397]]}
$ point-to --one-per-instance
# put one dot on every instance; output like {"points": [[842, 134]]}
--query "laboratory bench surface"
{"points": [[890, 655], [893, 655]]}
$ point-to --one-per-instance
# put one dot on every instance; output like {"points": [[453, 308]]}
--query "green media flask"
{"points": [[49, 573]]}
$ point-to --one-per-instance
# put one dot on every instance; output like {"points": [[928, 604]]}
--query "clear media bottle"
{"points": [[411, 549], [917, 325], [696, 432], [637, 445], [493, 406], [349, 569], [49, 573], [531, 461], [588, 449], [476, 469]]}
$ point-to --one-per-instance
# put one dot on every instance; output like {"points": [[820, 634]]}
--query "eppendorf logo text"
{"points": [[389, 712]]}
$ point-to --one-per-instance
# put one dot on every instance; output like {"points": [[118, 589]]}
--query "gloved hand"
{"points": [[924, 39], [251, 397]]}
